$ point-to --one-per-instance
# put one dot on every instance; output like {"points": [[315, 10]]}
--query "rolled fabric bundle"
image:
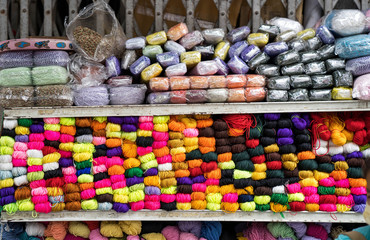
{"points": [[53, 95], [16, 77], [128, 95], [50, 58], [91, 96], [49, 75], [15, 59], [16, 97]]}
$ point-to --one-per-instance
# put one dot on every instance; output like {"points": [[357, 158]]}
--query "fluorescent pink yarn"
{"points": [[99, 169], [103, 183], [327, 182], [136, 206], [165, 159], [141, 151], [159, 144], [35, 168], [191, 132], [314, 198], [117, 178], [199, 187], [167, 198], [51, 120], [70, 179], [119, 185], [160, 136], [147, 126], [19, 163], [230, 198], [346, 200], [51, 135], [294, 188], [145, 119], [113, 161], [328, 207], [343, 183], [43, 207], [88, 194], [307, 191], [38, 183], [66, 138], [358, 190]]}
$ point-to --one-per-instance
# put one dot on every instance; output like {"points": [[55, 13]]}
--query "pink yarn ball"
{"points": [[183, 198], [152, 205], [164, 159], [51, 135], [230, 198], [99, 169], [73, 237], [38, 183], [100, 160], [211, 181], [70, 179], [103, 183], [167, 198], [35, 145], [147, 126], [40, 191], [358, 190], [51, 120], [317, 231], [160, 136], [159, 144], [39, 199], [191, 132], [114, 161], [35, 168], [36, 137], [327, 182], [20, 146], [187, 236], [314, 198], [95, 235], [343, 183], [145, 119], [119, 185], [19, 155], [346, 200], [199, 187], [69, 170], [19, 163], [171, 233], [99, 141], [136, 206], [117, 178], [151, 198], [66, 138], [307, 191], [328, 207], [88, 194], [43, 207], [141, 151], [133, 238]]}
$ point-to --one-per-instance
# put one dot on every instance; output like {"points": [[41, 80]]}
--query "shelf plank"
{"points": [[190, 215], [177, 109]]}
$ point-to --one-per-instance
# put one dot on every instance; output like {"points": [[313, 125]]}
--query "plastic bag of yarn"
{"points": [[96, 33], [191, 58], [159, 98], [293, 69], [335, 64], [279, 83], [249, 53], [86, 73], [16, 97], [358, 66], [286, 24], [176, 70], [286, 36], [238, 34], [322, 81], [299, 94], [91, 96], [315, 68], [237, 48], [255, 94], [277, 96], [353, 46], [223, 69], [53, 95], [192, 39], [314, 43], [178, 97], [326, 52], [151, 71], [288, 57], [346, 22], [361, 87], [257, 60], [222, 49], [268, 70], [255, 80], [298, 45], [213, 36], [341, 93], [127, 95], [207, 51], [310, 56], [237, 65], [13, 59], [205, 68], [168, 59], [49, 75], [135, 43], [236, 95], [50, 58], [171, 46], [300, 81], [179, 83], [113, 66], [342, 78], [218, 95], [196, 96], [15, 77], [258, 39], [159, 84], [119, 81], [198, 82], [275, 48], [128, 58], [271, 30], [178, 31], [151, 51], [306, 34]]}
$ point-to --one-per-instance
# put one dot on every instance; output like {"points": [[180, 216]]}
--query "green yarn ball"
{"points": [[321, 190], [132, 172], [82, 165], [25, 122], [209, 157], [326, 167], [275, 174], [256, 151], [246, 165], [355, 173], [308, 165], [280, 229], [241, 156], [279, 198], [195, 154], [264, 207]]}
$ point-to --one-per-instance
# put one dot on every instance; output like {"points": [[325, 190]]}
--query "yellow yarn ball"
{"points": [[131, 136], [190, 141], [183, 206], [296, 197], [258, 175], [248, 206], [320, 175], [226, 165], [161, 127], [7, 141], [144, 133], [67, 121], [147, 158], [240, 174], [52, 157], [111, 229], [191, 148], [120, 198], [66, 146], [137, 187], [130, 227], [136, 196], [52, 127], [169, 190], [19, 130], [262, 199], [79, 229], [90, 204], [83, 156], [114, 134], [153, 236], [85, 178], [161, 119], [83, 147], [113, 127], [121, 191], [260, 167], [106, 190]]}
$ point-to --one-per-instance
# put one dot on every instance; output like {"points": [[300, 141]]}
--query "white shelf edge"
{"points": [[190, 215], [177, 109]]}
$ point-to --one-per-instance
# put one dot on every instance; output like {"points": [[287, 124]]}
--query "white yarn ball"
{"points": [[5, 158], [10, 124], [19, 171], [21, 180], [6, 166], [321, 147], [165, 167], [348, 22], [50, 166], [33, 153], [334, 149], [279, 189], [350, 147], [366, 153], [35, 229]]}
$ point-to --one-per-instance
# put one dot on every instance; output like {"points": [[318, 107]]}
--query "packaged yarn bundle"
{"points": [[53, 95], [16, 97]]}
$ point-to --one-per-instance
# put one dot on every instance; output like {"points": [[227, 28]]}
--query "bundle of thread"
{"points": [[19, 159], [53, 173], [256, 231], [71, 189], [357, 183], [149, 162], [281, 230], [165, 169], [102, 182], [183, 230], [177, 151], [35, 175], [307, 164], [7, 142], [83, 150], [320, 133]]}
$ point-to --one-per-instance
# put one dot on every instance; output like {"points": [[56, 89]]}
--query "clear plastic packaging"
{"points": [[16, 97], [278, 83], [361, 87], [178, 31], [192, 39], [217, 82], [259, 59], [358, 66], [213, 36], [171, 46], [135, 43], [286, 24], [324, 34], [238, 34], [306, 34], [205, 68], [87, 28], [249, 53], [207, 52], [353, 46], [293, 69], [236, 81], [178, 97], [277, 96], [272, 30], [322, 81], [159, 84], [319, 94], [49, 75], [258, 39], [269, 70], [139, 65], [127, 95], [123, 80], [342, 78], [315, 68], [129, 57], [286, 36], [222, 50], [53, 95], [299, 94], [218, 95], [236, 95], [196, 96], [91, 96], [151, 51], [288, 57], [237, 65], [159, 98], [16, 77], [176, 70], [341, 93], [298, 45], [255, 94], [223, 69], [237, 48], [275, 48], [190, 58], [113, 66], [168, 59], [179, 83], [150, 72], [314, 43], [326, 52], [157, 38], [300, 81], [310, 56], [48, 58], [346, 22], [198, 82], [335, 64], [255, 80], [14, 59]]}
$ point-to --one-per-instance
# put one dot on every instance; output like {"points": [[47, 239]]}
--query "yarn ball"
{"points": [[111, 229], [131, 227], [35, 229], [79, 229]]}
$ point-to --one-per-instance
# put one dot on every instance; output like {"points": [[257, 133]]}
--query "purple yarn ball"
{"points": [[7, 200], [284, 132], [65, 162], [151, 172], [284, 141], [151, 190], [128, 127], [37, 128], [337, 157], [121, 207], [354, 155], [199, 179], [134, 180], [359, 199], [21, 138], [360, 208], [7, 191], [184, 181], [298, 121], [272, 116], [131, 120], [117, 151], [116, 120]]}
